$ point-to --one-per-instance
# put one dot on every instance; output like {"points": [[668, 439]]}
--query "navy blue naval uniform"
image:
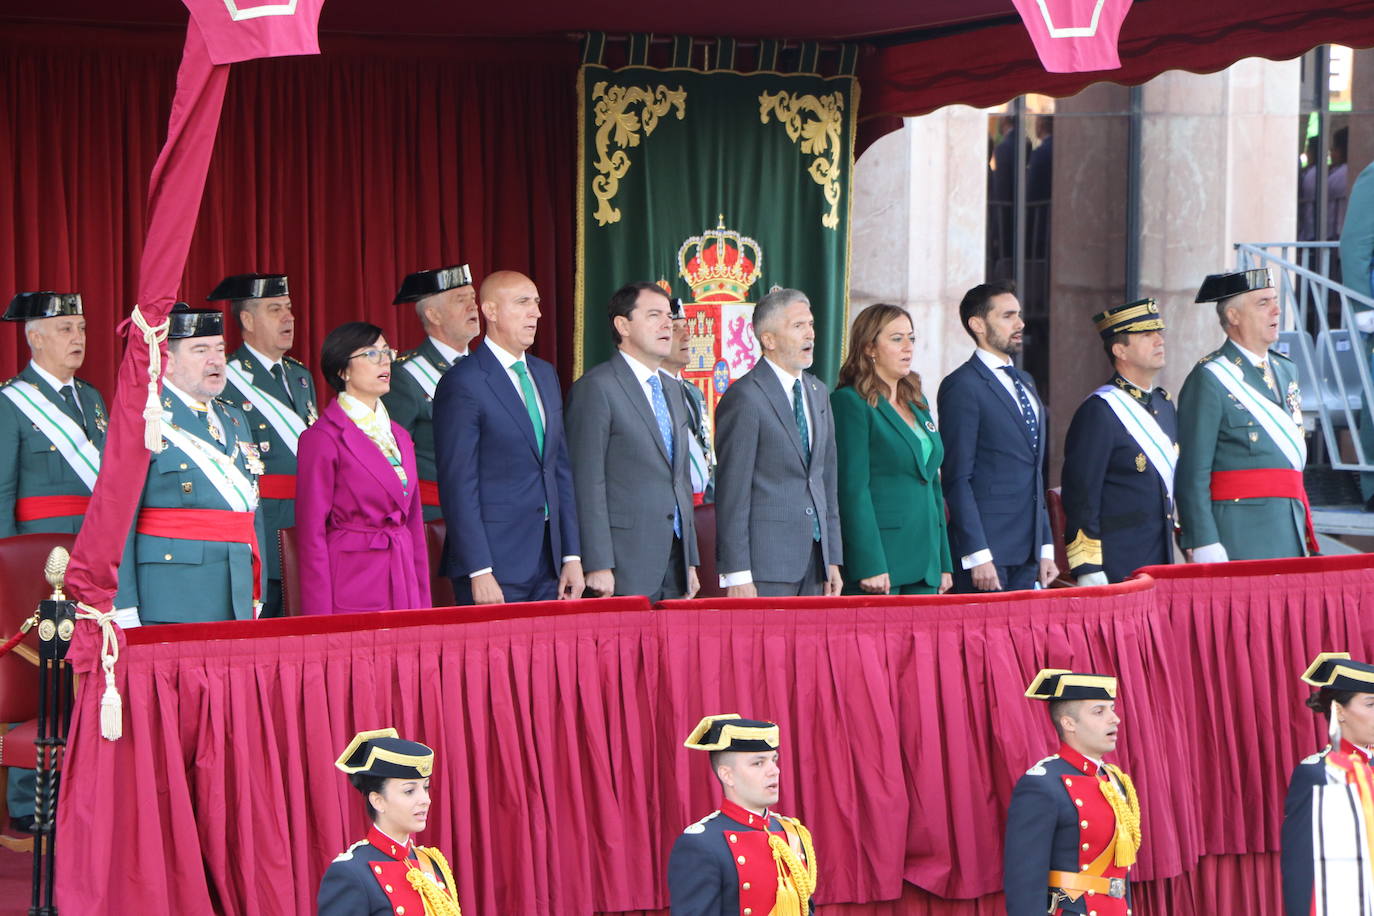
{"points": [[1118, 513], [369, 879], [722, 866]]}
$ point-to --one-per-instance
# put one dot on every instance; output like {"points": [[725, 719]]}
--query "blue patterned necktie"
{"points": [[799, 412], [665, 429], [1027, 411]]}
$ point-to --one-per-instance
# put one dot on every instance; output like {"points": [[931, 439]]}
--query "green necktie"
{"points": [[531, 404]]}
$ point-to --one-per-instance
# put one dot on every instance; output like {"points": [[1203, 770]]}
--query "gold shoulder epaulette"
{"points": [[293, 361]]}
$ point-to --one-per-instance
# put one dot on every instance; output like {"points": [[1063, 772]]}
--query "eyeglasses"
{"points": [[375, 356]]}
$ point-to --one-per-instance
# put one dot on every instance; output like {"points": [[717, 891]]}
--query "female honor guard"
{"points": [[744, 858], [1073, 828], [387, 873], [1330, 806]]}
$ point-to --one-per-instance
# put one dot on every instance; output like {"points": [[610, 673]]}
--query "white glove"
{"points": [[1210, 553], [127, 617], [1093, 578]]}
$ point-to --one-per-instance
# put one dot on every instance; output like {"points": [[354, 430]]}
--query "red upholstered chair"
{"points": [[290, 573], [705, 516], [440, 586], [1054, 501], [441, 589], [21, 569]]}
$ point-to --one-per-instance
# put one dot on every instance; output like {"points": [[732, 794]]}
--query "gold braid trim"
{"points": [[439, 901], [796, 882], [1127, 811]]}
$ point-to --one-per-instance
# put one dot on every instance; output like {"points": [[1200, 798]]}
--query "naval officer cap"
{"points": [[424, 283], [31, 306], [675, 309], [1335, 671], [385, 754], [184, 322], [730, 732], [1223, 286], [250, 286], [1132, 318], [1058, 684]]}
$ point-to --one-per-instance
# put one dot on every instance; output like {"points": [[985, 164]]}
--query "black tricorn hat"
{"points": [[28, 306], [424, 283], [1223, 286], [384, 753], [184, 322], [250, 286], [675, 308], [1059, 684], [728, 732], [1336, 671], [1132, 318]]}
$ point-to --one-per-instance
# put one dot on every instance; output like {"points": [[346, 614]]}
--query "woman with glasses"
{"points": [[359, 524]]}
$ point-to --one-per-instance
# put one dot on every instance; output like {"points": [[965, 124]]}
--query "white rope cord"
{"points": [[153, 336], [111, 704]]}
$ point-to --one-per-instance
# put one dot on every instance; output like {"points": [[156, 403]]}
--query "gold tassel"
{"points": [[796, 882], [1127, 811], [439, 901]]}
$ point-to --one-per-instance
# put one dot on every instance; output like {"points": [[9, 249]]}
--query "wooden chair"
{"points": [[1054, 502], [441, 589], [21, 569], [705, 519]]}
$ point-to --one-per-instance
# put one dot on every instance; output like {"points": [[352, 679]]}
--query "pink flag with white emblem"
{"points": [[1074, 36]]}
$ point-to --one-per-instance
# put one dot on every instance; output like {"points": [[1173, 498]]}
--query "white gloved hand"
{"points": [[1093, 578], [1210, 553], [127, 617]]}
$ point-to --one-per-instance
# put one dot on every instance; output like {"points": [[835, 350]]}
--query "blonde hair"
{"points": [[860, 370]]}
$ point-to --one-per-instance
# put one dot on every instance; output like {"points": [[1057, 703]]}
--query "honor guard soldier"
{"points": [[744, 858], [1073, 828], [387, 873], [52, 424], [194, 554], [1241, 444], [1119, 456], [701, 457], [446, 302], [1326, 844], [277, 396]]}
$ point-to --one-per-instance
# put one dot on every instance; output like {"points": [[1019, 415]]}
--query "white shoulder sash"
{"points": [[1154, 442], [287, 424], [240, 493], [424, 372], [1279, 426], [61, 430]]}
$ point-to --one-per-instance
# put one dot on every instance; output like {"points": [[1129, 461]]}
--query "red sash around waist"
{"points": [[34, 508], [220, 525], [429, 493], [1265, 483], [277, 486]]}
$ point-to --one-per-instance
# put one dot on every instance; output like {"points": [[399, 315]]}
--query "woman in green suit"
{"points": [[892, 512]]}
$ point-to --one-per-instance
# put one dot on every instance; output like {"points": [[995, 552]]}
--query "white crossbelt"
{"points": [[425, 373], [1277, 424], [238, 491], [1343, 882], [69, 439], [1141, 425], [285, 421]]}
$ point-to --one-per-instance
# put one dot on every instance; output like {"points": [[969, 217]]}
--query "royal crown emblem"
{"points": [[720, 264]]}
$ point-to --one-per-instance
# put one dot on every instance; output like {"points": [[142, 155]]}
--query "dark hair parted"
{"points": [[860, 371], [1321, 700], [977, 302], [623, 302], [366, 783], [339, 345]]}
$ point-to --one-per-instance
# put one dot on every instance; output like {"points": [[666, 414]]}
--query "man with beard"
{"points": [[277, 396], [1240, 435], [194, 553], [1120, 454], [446, 303], [993, 425]]}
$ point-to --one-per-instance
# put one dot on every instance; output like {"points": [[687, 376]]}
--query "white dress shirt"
{"points": [[58, 385], [196, 406], [642, 375], [979, 557], [449, 354], [268, 364]]}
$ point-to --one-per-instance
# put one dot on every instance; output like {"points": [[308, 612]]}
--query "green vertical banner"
{"points": [[718, 185]]}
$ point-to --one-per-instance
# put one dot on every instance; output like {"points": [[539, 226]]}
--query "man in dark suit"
{"points": [[505, 482], [777, 497], [993, 425], [628, 432]]}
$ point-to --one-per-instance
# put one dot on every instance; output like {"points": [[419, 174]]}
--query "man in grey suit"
{"points": [[777, 514], [628, 430]]}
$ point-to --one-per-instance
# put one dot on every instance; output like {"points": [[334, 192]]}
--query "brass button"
{"points": [[1082, 823], [1078, 802], [740, 860], [183, 465], [733, 838], [52, 448], [748, 911], [1085, 868], [746, 885], [401, 911], [1091, 893], [168, 556], [388, 888], [1085, 846], [1068, 782], [377, 869]]}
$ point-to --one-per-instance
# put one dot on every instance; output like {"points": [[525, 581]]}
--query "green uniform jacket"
{"points": [[892, 510], [409, 405], [276, 456], [1215, 433], [30, 464], [179, 580]]}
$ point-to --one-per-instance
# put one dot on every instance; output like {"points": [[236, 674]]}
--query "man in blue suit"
{"points": [[505, 481], [993, 426]]}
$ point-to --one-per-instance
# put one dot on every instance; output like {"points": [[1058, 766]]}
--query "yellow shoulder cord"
{"points": [[1127, 810], [438, 901], [796, 882]]}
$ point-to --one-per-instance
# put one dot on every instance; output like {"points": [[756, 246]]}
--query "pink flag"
{"points": [[1074, 36]]}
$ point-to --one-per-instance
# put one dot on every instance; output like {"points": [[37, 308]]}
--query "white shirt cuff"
{"points": [[480, 572], [977, 558], [572, 559], [127, 618], [1047, 552], [1210, 553], [743, 577], [1093, 578]]}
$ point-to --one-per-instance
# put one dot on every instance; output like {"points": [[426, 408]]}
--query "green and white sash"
{"points": [[1276, 423], [71, 441], [237, 489], [285, 421], [425, 373], [1141, 425]]}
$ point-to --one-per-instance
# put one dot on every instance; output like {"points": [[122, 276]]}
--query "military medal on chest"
{"points": [[1295, 402]]}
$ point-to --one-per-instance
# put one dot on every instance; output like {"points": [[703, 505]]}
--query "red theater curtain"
{"points": [[344, 171]]}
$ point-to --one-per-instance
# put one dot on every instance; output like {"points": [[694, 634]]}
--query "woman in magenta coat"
{"points": [[359, 525]]}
